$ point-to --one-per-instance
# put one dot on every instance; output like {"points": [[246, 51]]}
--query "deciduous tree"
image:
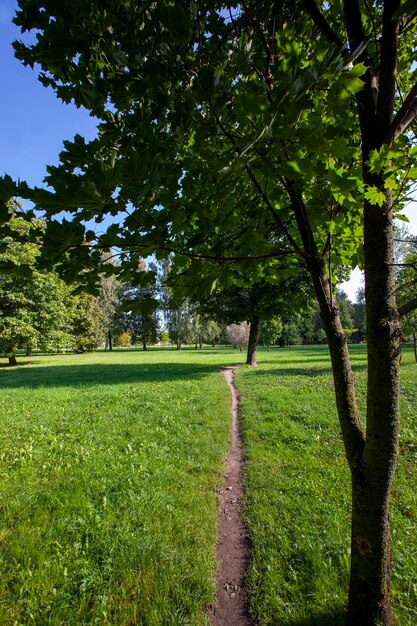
{"points": [[257, 134]]}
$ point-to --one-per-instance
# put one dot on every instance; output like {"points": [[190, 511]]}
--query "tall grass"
{"points": [[298, 490]]}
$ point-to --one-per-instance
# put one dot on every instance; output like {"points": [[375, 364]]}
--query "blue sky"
{"points": [[34, 123]]}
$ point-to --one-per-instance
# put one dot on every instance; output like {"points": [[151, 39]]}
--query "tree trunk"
{"points": [[253, 340], [371, 462], [28, 351], [12, 359], [415, 345], [144, 346], [369, 592], [109, 344]]}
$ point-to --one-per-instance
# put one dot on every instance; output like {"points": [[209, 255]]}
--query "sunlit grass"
{"points": [[108, 470], [298, 490]]}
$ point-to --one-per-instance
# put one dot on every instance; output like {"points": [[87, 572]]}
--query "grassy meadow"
{"points": [[108, 469], [298, 490], [109, 464]]}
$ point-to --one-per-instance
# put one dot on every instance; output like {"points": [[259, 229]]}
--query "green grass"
{"points": [[108, 470], [298, 490]]}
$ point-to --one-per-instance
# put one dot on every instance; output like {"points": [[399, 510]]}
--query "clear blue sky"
{"points": [[34, 123]]}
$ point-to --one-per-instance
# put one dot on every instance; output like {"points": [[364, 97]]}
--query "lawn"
{"points": [[298, 490], [109, 464], [108, 470]]}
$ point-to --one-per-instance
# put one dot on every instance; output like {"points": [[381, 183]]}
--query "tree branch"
{"points": [[387, 65], [406, 308], [320, 21], [403, 118]]}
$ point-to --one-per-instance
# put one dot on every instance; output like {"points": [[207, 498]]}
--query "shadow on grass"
{"points": [[103, 374]]}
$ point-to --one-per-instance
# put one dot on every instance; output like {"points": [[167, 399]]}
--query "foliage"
{"points": [[88, 326], [270, 331], [266, 135], [109, 302], [123, 341], [180, 324], [237, 334], [35, 306], [139, 306]]}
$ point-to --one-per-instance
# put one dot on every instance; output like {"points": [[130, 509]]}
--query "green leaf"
{"points": [[375, 195], [403, 218]]}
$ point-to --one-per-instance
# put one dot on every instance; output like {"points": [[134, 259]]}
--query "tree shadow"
{"points": [[103, 374]]}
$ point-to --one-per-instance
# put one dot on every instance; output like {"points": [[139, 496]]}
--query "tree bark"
{"points": [[415, 345], [109, 343], [253, 340], [12, 359], [144, 346], [369, 592]]}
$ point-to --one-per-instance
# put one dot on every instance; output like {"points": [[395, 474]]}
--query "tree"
{"points": [[138, 301], [180, 323], [359, 318], [267, 132], [35, 306], [237, 299], [270, 331], [407, 288], [109, 301], [238, 334], [88, 326]]}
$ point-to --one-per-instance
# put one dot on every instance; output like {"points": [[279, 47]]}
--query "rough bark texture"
{"points": [[253, 340], [369, 594]]}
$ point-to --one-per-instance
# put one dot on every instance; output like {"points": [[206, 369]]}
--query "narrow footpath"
{"points": [[232, 537]]}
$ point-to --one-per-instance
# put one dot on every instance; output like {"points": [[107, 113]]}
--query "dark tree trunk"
{"points": [[415, 345], [109, 342], [144, 346], [369, 590], [12, 359], [369, 593], [253, 340], [28, 351]]}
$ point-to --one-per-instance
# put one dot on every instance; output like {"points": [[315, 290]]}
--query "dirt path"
{"points": [[232, 538]]}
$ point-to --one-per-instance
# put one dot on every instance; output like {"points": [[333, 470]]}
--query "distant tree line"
{"points": [[38, 310]]}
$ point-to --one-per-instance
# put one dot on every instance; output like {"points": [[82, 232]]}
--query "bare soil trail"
{"points": [[232, 537]]}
